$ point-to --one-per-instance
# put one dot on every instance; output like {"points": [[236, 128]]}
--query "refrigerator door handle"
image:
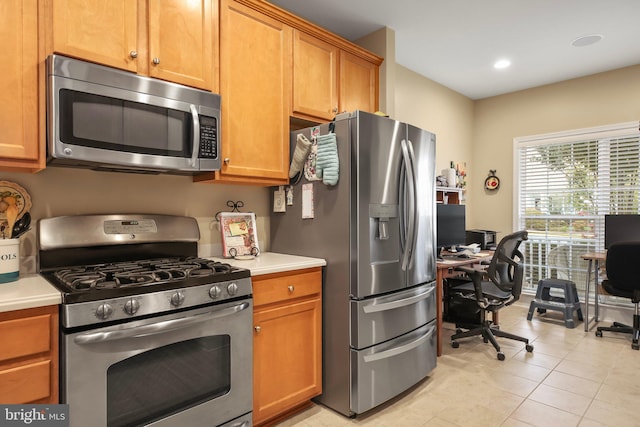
{"points": [[399, 350], [407, 153], [373, 308]]}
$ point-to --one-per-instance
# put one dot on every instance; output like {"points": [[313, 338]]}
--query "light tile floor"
{"points": [[572, 378]]}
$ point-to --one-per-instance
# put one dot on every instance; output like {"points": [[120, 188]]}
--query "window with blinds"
{"points": [[565, 183]]}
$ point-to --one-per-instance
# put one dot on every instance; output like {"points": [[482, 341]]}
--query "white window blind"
{"points": [[565, 183]]}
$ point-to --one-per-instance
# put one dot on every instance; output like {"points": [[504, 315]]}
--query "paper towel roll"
{"points": [[450, 175]]}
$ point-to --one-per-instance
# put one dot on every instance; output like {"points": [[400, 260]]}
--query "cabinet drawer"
{"points": [[26, 383], [27, 336], [277, 287]]}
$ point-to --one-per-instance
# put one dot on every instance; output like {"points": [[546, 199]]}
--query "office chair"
{"points": [[623, 281], [493, 288]]}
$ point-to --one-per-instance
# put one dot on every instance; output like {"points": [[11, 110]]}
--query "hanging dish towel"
{"points": [[300, 155], [310, 165], [327, 164]]}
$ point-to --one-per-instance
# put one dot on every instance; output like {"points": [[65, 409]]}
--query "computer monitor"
{"points": [[451, 226], [621, 228]]}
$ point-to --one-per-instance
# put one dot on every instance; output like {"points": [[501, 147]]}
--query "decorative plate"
{"points": [[492, 182], [13, 194]]}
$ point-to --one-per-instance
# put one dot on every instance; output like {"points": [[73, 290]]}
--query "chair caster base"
{"points": [[529, 348], [455, 344], [635, 346], [599, 333], [501, 355]]}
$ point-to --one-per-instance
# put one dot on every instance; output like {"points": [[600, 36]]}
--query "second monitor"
{"points": [[451, 226]]}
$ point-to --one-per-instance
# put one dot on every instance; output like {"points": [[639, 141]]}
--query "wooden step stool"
{"points": [[545, 301]]}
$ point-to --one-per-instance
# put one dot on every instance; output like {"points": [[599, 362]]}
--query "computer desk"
{"points": [[446, 269], [594, 259]]}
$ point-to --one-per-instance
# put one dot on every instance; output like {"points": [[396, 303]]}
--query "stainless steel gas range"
{"points": [[150, 333]]}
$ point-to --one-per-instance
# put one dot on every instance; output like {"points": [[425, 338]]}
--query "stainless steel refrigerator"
{"points": [[376, 229]]}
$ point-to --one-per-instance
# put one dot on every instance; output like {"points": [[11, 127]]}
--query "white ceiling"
{"points": [[456, 42]]}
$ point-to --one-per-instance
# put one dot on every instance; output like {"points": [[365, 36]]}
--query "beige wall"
{"points": [[600, 99], [429, 105], [383, 43], [65, 191]]}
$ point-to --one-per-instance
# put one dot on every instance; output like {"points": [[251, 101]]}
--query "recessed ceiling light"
{"points": [[502, 63], [587, 40]]}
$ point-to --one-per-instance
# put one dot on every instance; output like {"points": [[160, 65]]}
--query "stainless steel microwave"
{"points": [[107, 119]]}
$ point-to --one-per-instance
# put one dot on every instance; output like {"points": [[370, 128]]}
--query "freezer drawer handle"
{"points": [[399, 350], [157, 328], [373, 308]]}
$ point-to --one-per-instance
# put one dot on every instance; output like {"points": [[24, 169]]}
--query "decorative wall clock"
{"points": [[492, 182]]}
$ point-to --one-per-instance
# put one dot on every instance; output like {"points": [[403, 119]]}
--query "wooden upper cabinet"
{"points": [[98, 31], [358, 84], [328, 80], [168, 39], [255, 86], [20, 148], [181, 41], [315, 76]]}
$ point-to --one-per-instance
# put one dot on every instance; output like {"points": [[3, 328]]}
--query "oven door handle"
{"points": [[157, 328]]}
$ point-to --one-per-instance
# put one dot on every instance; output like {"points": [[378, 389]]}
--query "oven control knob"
{"points": [[131, 306], [214, 292], [104, 311], [177, 299], [232, 289]]}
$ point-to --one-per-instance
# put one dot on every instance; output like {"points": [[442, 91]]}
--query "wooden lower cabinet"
{"points": [[29, 356], [287, 354]]}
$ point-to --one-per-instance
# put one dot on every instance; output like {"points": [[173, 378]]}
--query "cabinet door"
{"points": [[96, 30], [255, 85], [315, 71], [358, 84], [181, 41], [19, 141], [287, 363], [29, 355]]}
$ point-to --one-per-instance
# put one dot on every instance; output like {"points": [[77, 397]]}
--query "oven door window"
{"points": [[106, 123], [166, 380]]}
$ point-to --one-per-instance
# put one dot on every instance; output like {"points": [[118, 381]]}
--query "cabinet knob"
{"points": [[156, 60], [258, 329], [226, 160], [335, 110], [133, 54], [291, 288]]}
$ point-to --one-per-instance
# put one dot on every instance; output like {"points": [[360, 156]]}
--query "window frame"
{"points": [[599, 134]]}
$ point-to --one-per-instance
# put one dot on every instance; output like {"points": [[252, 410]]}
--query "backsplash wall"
{"points": [[66, 191]]}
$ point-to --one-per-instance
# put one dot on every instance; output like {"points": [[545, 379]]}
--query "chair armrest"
{"points": [[472, 270], [476, 274]]}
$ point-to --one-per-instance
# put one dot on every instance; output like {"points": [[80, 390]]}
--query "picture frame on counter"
{"points": [[239, 235]]}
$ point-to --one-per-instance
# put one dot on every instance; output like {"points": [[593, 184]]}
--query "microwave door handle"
{"points": [[196, 134]]}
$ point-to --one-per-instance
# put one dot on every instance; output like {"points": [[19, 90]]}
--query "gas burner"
{"points": [[138, 273]]}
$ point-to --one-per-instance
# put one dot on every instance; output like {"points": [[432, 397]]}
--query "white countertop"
{"points": [[32, 290], [271, 262]]}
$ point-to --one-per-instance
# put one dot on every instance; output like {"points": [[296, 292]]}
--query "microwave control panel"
{"points": [[208, 138]]}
